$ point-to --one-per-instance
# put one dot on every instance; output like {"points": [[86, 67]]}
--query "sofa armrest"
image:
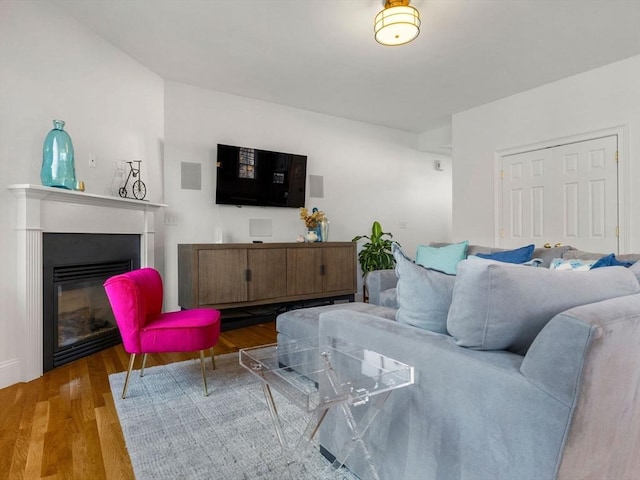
{"points": [[604, 434], [378, 281], [554, 361]]}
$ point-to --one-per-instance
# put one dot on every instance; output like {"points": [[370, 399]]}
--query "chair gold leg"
{"points": [[204, 376], [213, 359], [144, 362], [132, 358]]}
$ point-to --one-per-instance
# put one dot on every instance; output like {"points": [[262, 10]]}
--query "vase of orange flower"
{"points": [[313, 222]]}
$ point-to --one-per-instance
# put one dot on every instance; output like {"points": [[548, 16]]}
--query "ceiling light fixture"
{"points": [[397, 24]]}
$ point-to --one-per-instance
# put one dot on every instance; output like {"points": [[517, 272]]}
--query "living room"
{"points": [[117, 109]]}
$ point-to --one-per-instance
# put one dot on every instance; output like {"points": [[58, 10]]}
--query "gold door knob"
{"points": [[558, 245], [547, 245]]}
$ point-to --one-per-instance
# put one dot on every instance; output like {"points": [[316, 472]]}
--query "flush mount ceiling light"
{"points": [[397, 24]]}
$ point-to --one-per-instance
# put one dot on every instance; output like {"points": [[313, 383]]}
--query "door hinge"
{"points": [[616, 156], [618, 232], [501, 174], [501, 233]]}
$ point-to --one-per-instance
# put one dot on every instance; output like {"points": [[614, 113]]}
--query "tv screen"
{"points": [[249, 176]]}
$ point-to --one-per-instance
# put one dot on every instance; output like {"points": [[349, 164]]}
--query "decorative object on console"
{"points": [[313, 222], [138, 187], [397, 24], [58, 168], [324, 229], [312, 236]]}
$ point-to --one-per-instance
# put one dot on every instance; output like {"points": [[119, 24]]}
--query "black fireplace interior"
{"points": [[76, 313]]}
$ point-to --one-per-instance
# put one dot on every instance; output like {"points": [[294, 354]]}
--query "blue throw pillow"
{"points": [[610, 261], [423, 295], [444, 259], [519, 255]]}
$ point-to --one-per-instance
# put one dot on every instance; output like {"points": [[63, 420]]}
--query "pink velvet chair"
{"points": [[136, 301]]}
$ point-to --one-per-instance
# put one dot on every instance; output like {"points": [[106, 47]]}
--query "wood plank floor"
{"points": [[64, 425]]}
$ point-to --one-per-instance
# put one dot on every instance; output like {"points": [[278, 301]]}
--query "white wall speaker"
{"points": [[316, 186], [191, 177], [259, 227]]}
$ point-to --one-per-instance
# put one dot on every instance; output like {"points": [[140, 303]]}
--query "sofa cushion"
{"points": [[303, 322], [423, 295], [501, 306], [389, 298], [444, 259], [548, 254], [625, 257], [610, 261], [518, 255], [635, 269]]}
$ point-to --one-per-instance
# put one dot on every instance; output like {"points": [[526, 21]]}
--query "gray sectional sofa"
{"points": [[536, 375]]}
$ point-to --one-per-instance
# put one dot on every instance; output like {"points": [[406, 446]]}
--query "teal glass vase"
{"points": [[58, 168]]}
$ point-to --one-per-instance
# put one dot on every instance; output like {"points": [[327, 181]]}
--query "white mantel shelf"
{"points": [[72, 196], [43, 210]]}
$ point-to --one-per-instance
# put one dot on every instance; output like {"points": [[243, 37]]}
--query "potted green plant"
{"points": [[376, 253]]}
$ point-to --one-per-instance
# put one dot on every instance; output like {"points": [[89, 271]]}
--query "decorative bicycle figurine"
{"points": [[139, 188]]}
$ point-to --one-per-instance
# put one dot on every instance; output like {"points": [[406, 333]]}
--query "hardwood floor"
{"points": [[64, 424]]}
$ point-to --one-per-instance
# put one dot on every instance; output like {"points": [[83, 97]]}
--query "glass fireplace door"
{"points": [[83, 311]]}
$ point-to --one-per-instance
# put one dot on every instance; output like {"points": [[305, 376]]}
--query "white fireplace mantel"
{"points": [[46, 209]]}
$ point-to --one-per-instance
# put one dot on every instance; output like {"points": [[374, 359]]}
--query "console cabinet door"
{"points": [[222, 276], [268, 277], [338, 268], [304, 271]]}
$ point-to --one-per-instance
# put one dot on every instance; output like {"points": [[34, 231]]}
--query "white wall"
{"points": [[52, 67], [370, 173], [599, 99]]}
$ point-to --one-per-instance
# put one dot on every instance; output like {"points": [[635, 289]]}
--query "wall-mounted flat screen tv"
{"points": [[249, 176]]}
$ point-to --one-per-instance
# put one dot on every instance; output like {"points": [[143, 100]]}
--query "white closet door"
{"points": [[527, 198], [566, 194]]}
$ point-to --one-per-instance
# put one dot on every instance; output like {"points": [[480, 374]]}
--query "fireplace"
{"points": [[77, 317], [43, 210]]}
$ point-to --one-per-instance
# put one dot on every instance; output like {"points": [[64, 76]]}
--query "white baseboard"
{"points": [[9, 372]]}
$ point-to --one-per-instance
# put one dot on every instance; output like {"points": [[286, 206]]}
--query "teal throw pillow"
{"points": [[444, 259], [519, 255], [423, 295]]}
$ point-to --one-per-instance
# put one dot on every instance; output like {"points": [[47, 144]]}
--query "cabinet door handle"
{"points": [[247, 275]]}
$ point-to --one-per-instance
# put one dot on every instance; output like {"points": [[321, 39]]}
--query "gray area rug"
{"points": [[172, 431]]}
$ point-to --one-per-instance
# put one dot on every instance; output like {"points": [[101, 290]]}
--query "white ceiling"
{"points": [[320, 55]]}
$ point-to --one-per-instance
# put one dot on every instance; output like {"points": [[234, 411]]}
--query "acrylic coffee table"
{"points": [[316, 379]]}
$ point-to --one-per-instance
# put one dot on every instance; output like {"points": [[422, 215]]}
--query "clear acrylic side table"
{"points": [[316, 379]]}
